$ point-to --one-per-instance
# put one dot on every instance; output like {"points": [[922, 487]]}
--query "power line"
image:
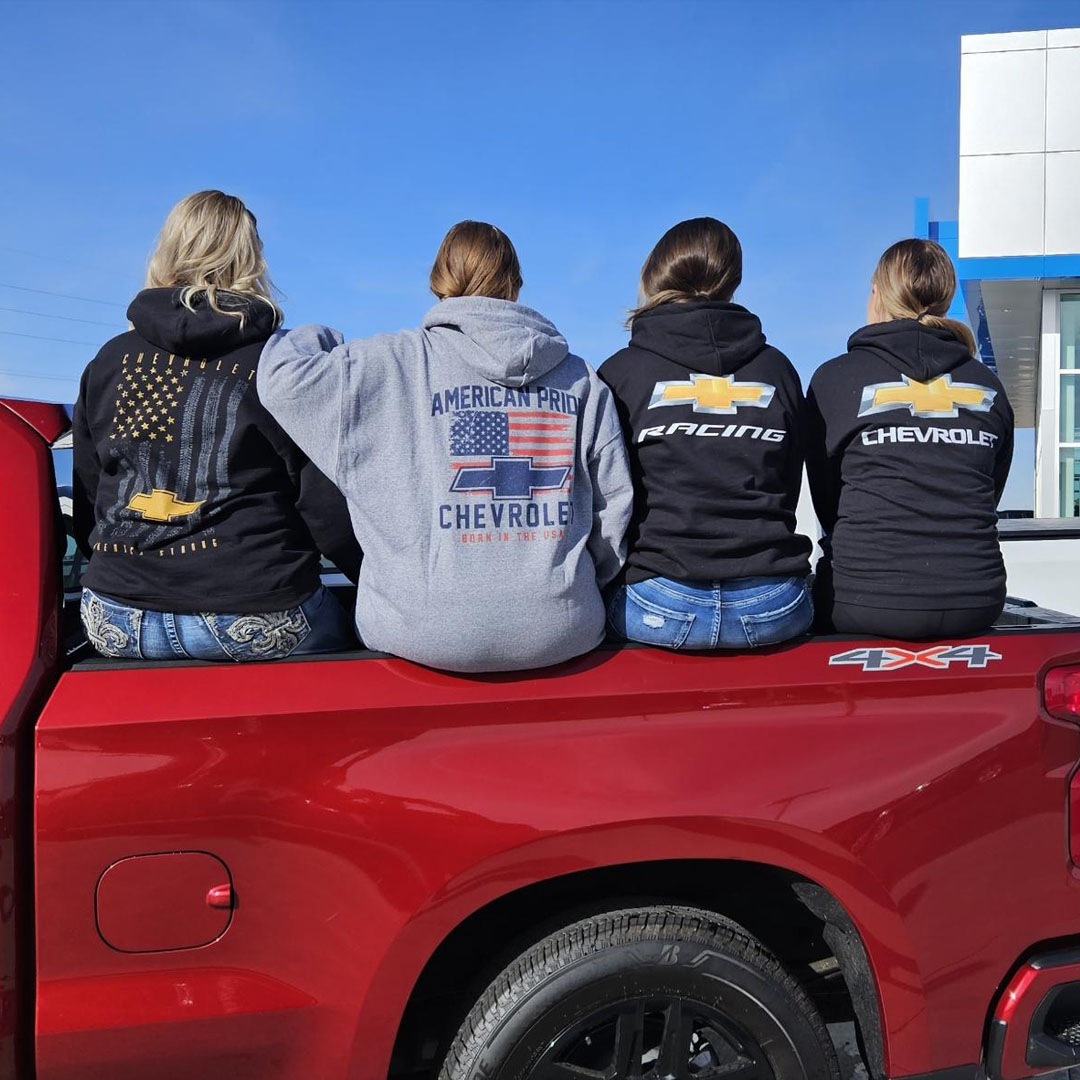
{"points": [[66, 318], [40, 337], [62, 259], [30, 375], [63, 296]]}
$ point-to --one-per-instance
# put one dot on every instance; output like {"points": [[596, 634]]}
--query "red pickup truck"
{"points": [[638, 865]]}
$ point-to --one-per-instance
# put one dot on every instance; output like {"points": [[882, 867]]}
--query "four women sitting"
{"points": [[504, 494]]}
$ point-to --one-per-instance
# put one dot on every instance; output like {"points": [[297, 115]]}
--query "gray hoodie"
{"points": [[486, 476]]}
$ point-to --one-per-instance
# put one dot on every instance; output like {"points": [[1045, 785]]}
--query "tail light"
{"points": [[1061, 699], [1061, 693]]}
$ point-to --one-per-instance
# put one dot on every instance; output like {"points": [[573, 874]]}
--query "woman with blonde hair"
{"points": [[203, 521], [712, 417], [909, 445], [482, 462]]}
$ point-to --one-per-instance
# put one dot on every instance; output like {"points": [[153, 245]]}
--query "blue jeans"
{"points": [[736, 614], [319, 624]]}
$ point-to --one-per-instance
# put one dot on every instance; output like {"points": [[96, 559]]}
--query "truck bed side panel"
{"points": [[365, 807]]}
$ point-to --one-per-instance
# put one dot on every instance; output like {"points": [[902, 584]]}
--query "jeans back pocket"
{"points": [[638, 619], [263, 635], [792, 618], [113, 629]]}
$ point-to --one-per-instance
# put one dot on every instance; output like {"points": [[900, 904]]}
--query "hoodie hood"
{"points": [[919, 351], [507, 343], [158, 316], [712, 337]]}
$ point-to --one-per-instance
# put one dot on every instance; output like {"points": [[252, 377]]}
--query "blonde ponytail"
{"points": [[915, 280], [960, 331]]}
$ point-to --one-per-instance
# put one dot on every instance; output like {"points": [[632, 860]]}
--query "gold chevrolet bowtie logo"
{"points": [[939, 397], [712, 394], [162, 506]]}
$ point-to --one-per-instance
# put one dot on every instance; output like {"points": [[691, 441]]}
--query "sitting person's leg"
{"points": [[913, 625], [764, 611], [659, 611]]}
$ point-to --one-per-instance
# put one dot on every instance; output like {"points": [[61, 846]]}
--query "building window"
{"points": [[1070, 332], [1070, 482], [1069, 408]]}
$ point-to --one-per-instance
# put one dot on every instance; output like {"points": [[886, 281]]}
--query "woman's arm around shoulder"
{"points": [[301, 382]]}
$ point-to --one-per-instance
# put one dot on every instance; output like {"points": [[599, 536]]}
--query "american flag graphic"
{"points": [[172, 429], [546, 437]]}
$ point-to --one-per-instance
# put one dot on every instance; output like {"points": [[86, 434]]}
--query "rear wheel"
{"points": [[657, 993]]}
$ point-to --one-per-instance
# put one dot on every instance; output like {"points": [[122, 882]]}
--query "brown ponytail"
{"points": [[915, 280], [476, 259], [699, 259]]}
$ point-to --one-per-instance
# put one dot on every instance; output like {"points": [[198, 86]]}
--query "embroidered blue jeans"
{"points": [[319, 624], [740, 613]]}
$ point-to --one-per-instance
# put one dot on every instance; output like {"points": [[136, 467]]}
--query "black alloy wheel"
{"points": [[654, 1037]]}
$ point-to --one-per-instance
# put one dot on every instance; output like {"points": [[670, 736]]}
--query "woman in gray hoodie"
{"points": [[483, 465]]}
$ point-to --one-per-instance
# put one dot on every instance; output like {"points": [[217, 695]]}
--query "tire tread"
{"points": [[592, 935]]}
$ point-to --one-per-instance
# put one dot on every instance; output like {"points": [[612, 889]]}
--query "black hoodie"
{"points": [[711, 416], [908, 449], [187, 494]]}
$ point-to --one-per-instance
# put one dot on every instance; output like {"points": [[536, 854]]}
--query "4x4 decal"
{"points": [[939, 657]]}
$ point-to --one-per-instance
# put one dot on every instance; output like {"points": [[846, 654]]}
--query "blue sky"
{"points": [[358, 132]]}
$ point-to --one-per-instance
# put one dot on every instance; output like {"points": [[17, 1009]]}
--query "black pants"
{"points": [[911, 625], [905, 623]]}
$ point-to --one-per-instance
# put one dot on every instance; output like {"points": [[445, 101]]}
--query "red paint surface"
{"points": [[365, 808], [48, 420]]}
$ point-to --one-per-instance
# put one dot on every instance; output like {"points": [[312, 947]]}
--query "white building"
{"points": [[1016, 244]]}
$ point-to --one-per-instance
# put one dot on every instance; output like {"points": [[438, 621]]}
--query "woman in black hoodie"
{"points": [[711, 415], [909, 447], [202, 519]]}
